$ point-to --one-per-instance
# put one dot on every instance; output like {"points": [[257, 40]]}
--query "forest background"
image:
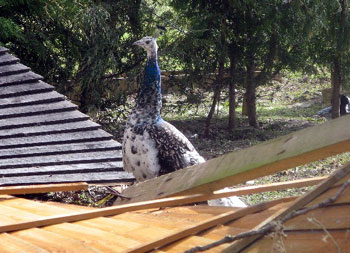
{"points": [[216, 56]]}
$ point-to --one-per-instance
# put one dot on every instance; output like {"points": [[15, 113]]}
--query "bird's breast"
{"points": [[140, 155]]}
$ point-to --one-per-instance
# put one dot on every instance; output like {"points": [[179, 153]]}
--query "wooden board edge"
{"points": [[44, 188], [201, 226], [304, 146], [337, 176]]}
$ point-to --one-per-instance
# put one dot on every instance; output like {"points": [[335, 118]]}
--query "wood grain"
{"points": [[42, 188], [286, 152], [188, 231], [298, 204], [305, 242]]}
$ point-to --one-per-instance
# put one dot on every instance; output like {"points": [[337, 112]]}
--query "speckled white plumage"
{"points": [[152, 146], [140, 155]]}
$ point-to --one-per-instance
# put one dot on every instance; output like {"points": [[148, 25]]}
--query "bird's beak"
{"points": [[137, 43]]}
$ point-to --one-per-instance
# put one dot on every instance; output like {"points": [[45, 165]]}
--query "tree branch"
{"points": [[273, 225]]}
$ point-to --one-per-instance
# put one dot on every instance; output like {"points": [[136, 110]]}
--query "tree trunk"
{"points": [[216, 96], [232, 106], [84, 100], [336, 83], [232, 95], [251, 96], [336, 72]]}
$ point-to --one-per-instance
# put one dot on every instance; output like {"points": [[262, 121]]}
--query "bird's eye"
{"points": [[148, 41]]}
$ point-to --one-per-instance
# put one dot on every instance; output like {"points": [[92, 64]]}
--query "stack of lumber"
{"points": [[134, 231], [322, 229], [167, 225]]}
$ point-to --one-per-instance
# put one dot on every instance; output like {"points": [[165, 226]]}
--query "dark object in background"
{"points": [[344, 105]]}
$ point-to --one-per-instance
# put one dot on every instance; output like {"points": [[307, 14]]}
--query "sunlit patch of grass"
{"points": [[290, 112]]}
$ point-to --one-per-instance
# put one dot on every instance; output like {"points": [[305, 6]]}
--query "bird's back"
{"points": [[175, 150], [156, 149]]}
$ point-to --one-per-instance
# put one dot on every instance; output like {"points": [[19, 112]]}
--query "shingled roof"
{"points": [[44, 138]]}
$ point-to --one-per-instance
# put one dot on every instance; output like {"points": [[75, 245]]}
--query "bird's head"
{"points": [[149, 44]]}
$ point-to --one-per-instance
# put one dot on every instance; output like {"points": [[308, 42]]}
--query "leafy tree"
{"points": [[33, 31], [254, 39], [77, 45], [202, 45], [330, 42]]}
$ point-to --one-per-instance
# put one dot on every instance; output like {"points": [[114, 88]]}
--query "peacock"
{"points": [[152, 146]]}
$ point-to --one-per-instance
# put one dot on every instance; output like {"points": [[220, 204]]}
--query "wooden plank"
{"points": [[61, 159], [27, 77], [332, 217], [53, 242], [47, 205], [72, 207], [286, 152], [5, 220], [24, 89], [305, 242], [219, 219], [344, 198], [55, 139], [7, 59], [220, 232], [13, 69], [73, 176], [39, 130], [190, 211], [36, 207], [11, 244], [250, 221], [61, 149], [25, 100], [262, 188], [47, 119], [169, 223], [121, 227], [17, 214], [270, 187], [60, 106], [108, 211], [43, 188], [146, 234], [187, 243], [298, 204], [101, 240]]}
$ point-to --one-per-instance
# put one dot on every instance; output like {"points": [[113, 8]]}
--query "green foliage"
{"points": [[9, 29], [36, 32], [83, 46], [75, 44], [331, 34]]}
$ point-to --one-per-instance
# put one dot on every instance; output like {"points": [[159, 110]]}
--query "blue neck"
{"points": [[149, 99]]}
